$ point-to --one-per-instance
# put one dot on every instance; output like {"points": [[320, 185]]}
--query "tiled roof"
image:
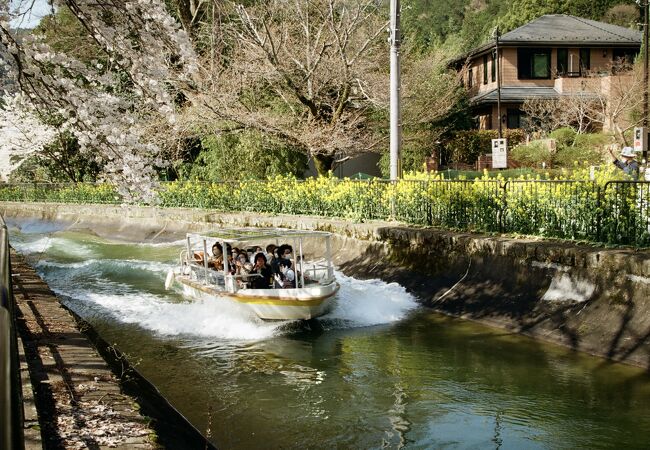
{"points": [[566, 30], [515, 94], [563, 31]]}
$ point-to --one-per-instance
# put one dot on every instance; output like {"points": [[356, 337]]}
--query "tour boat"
{"points": [[205, 273]]}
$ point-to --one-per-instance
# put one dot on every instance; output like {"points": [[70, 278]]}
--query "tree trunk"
{"points": [[323, 163]]}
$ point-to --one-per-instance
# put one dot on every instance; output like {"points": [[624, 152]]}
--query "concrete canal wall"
{"points": [[592, 299]]}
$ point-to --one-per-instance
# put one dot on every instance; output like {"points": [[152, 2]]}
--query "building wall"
{"points": [[601, 61]]}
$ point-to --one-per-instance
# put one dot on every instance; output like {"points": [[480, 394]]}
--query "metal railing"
{"points": [[11, 404], [563, 209], [617, 212], [625, 213]]}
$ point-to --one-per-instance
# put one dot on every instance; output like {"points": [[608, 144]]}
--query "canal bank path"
{"points": [[71, 397]]}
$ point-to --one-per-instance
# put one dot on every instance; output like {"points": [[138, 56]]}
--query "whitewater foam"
{"points": [[177, 243], [197, 318], [150, 266], [30, 247], [359, 304], [49, 243], [370, 302]]}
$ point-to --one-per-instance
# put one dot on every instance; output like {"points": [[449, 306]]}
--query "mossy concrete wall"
{"points": [[589, 298]]}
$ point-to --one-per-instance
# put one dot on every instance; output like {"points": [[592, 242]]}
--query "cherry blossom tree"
{"points": [[110, 104], [23, 133]]}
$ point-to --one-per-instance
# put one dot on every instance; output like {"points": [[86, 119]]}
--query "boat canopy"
{"points": [[231, 235]]}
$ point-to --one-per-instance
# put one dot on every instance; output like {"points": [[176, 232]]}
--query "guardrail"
{"points": [[11, 404], [617, 212]]}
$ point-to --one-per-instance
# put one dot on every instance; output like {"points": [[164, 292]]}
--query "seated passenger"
{"points": [[216, 261], [244, 271], [285, 251], [264, 272], [288, 275], [270, 254]]}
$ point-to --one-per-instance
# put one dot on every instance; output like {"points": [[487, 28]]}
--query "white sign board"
{"points": [[499, 153], [640, 139]]}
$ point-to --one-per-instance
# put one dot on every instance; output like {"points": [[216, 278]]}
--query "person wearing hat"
{"points": [[628, 164]]}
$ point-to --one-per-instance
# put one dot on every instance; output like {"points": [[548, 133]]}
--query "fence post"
{"points": [[429, 208], [599, 214], [504, 205]]}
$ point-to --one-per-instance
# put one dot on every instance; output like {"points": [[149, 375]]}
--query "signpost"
{"points": [[641, 139], [499, 153]]}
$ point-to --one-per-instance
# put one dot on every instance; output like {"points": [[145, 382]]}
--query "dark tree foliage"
{"points": [[59, 161], [428, 22]]}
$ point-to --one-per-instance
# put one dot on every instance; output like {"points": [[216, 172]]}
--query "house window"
{"points": [[494, 67], [534, 63], [470, 76], [514, 118], [485, 69], [625, 56], [585, 60], [562, 61]]}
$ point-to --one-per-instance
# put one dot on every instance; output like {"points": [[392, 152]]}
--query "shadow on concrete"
{"points": [[503, 288]]}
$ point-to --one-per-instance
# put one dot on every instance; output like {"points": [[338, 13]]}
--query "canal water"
{"points": [[383, 373]]}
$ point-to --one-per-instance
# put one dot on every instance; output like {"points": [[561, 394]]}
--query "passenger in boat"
{"points": [[288, 275], [270, 254], [252, 251], [244, 270], [242, 258], [284, 253], [216, 262], [271, 257], [261, 268]]}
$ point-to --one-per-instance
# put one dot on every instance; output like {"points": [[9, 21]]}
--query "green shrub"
{"points": [[568, 156], [586, 149], [467, 145], [241, 156], [533, 154], [413, 158], [592, 140], [564, 136]]}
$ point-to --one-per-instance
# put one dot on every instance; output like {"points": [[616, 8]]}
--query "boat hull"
{"points": [[269, 304]]}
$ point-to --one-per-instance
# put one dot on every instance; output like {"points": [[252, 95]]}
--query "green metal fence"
{"points": [[616, 212]]}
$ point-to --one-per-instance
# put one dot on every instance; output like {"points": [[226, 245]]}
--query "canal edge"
{"points": [[55, 362]]}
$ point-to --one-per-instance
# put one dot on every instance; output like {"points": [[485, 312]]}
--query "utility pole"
{"points": [[498, 69], [395, 88], [646, 5]]}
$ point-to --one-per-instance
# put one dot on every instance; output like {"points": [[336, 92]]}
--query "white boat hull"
{"points": [[269, 304]]}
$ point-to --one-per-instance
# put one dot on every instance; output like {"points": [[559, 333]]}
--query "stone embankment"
{"points": [[592, 299], [70, 393]]}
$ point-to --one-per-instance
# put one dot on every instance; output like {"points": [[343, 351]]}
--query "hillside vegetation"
{"points": [[463, 24]]}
